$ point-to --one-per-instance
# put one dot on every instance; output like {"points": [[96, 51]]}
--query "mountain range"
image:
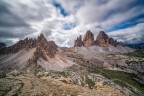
{"points": [[97, 67]]}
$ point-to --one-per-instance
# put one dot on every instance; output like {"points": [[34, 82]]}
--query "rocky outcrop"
{"points": [[26, 43], [88, 39], [78, 42]]}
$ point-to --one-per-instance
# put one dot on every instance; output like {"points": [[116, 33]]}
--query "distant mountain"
{"points": [[136, 45]]}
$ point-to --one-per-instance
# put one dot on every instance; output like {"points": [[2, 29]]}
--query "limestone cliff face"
{"points": [[88, 39]]}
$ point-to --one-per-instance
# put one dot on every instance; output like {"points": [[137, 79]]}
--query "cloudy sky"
{"points": [[64, 20]]}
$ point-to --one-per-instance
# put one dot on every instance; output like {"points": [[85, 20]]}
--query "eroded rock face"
{"points": [[88, 39], [78, 42]]}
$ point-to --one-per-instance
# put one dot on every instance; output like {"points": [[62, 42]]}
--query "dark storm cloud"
{"points": [[15, 32], [8, 19]]}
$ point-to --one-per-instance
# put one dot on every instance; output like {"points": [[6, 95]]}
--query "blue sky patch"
{"points": [[69, 26], [59, 6], [127, 24]]}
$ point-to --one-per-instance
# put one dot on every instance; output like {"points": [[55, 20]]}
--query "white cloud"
{"points": [[43, 16], [109, 14], [131, 35]]}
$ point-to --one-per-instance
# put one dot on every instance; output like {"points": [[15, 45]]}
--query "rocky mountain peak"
{"points": [[88, 38], [41, 38], [102, 35], [112, 42], [78, 42], [102, 39], [45, 48], [41, 41]]}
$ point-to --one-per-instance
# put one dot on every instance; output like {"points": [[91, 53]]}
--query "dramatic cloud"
{"points": [[132, 34], [64, 20]]}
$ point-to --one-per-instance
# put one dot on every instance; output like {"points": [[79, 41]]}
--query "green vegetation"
{"points": [[137, 53], [121, 78], [121, 83]]}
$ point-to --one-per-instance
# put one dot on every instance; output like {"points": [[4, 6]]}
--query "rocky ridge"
{"points": [[41, 44], [26, 43]]}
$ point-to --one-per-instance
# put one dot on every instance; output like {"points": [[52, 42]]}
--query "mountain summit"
{"points": [[88, 39], [102, 39]]}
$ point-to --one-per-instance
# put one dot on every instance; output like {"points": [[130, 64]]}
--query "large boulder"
{"points": [[88, 39]]}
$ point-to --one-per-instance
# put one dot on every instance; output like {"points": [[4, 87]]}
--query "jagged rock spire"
{"points": [[88, 38], [102, 39], [78, 42], [45, 48]]}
